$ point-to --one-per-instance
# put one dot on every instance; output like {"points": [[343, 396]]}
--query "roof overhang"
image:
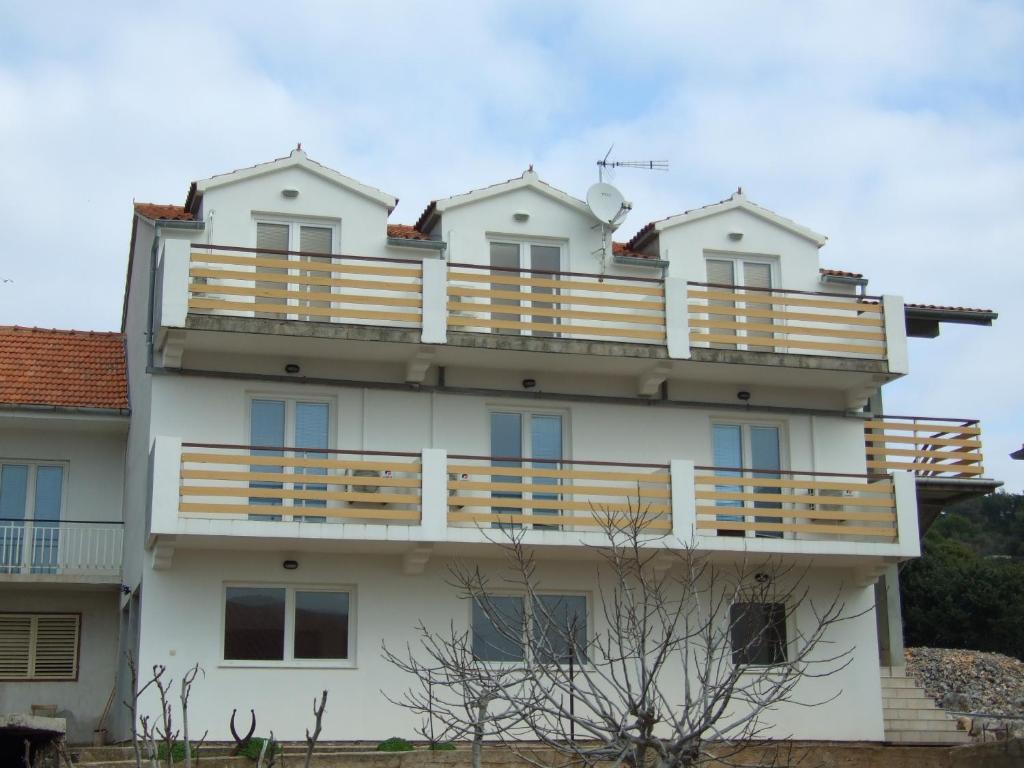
{"points": [[924, 322], [936, 493]]}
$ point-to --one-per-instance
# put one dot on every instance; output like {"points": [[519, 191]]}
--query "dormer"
{"points": [[292, 203], [735, 241]]}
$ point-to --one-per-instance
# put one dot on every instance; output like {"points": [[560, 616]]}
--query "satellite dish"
{"points": [[606, 203]]}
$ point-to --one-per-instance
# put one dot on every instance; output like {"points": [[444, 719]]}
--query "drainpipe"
{"points": [[158, 226]]}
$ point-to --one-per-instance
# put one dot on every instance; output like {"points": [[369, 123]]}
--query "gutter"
{"points": [[964, 316], [859, 282], [405, 242], [634, 261], [66, 410]]}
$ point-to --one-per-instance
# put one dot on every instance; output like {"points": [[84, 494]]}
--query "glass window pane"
{"points": [[727, 453], [507, 446], [560, 628], [311, 426], [502, 639], [545, 443], [758, 633], [254, 623], [13, 491], [506, 256], [266, 428], [49, 483], [46, 513], [765, 455], [321, 625]]}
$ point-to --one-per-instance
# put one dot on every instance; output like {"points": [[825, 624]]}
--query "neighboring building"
{"points": [[320, 399], [63, 425]]}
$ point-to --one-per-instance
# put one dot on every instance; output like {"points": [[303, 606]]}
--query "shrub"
{"points": [[394, 744], [177, 751], [442, 746], [252, 749]]}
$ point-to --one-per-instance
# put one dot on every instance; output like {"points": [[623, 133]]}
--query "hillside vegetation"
{"points": [[967, 589]]}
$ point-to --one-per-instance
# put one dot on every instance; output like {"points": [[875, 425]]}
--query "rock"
{"points": [[956, 702], [988, 684]]}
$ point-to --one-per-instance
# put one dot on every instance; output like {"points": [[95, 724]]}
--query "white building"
{"points": [[276, 325]]}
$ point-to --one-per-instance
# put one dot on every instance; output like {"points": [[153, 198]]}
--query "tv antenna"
{"points": [[645, 165]]}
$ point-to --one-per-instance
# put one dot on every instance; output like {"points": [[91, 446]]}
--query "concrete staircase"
{"points": [[911, 716]]}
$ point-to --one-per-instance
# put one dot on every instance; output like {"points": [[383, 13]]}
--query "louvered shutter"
{"points": [[315, 240], [757, 275], [273, 237], [56, 648], [15, 646], [721, 272]]}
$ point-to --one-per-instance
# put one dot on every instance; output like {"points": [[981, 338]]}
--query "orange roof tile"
{"points": [[72, 369], [840, 273], [158, 211], [623, 249], [406, 232]]}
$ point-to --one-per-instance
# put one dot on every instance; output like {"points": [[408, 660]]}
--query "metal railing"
{"points": [[60, 547]]}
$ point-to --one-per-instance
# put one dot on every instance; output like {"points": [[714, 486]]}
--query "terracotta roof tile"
{"points": [[946, 308], [840, 273], [622, 249], [406, 232], [156, 211], [75, 369]]}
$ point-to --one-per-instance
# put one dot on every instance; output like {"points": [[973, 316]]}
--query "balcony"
{"points": [[463, 307], [207, 492], [60, 551]]}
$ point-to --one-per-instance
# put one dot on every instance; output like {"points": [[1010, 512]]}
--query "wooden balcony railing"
{"points": [[306, 485], [306, 286], [800, 505], [60, 547], [556, 494], [570, 305], [775, 320], [928, 446]]}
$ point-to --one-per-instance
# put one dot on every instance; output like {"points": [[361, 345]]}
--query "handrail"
{"points": [[595, 275], [785, 472], [309, 254], [59, 522], [229, 446], [859, 298], [963, 422], [531, 460]]}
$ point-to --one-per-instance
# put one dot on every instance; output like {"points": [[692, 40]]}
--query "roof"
{"points": [[840, 273], [622, 249], [70, 369], [160, 212], [735, 200], [945, 308], [406, 232], [529, 179]]}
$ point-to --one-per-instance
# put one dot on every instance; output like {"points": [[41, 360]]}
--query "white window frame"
{"points": [[738, 259], [748, 512], [26, 532], [34, 617], [289, 433], [294, 224], [289, 661], [526, 262], [528, 619], [30, 489]]}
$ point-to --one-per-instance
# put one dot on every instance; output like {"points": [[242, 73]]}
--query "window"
{"points": [[39, 646], [278, 424], [516, 436], [558, 624], [293, 236], [507, 258], [741, 272], [757, 450], [31, 500], [263, 623], [758, 633]]}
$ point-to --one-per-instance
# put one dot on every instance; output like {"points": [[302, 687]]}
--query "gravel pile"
{"points": [[970, 681]]}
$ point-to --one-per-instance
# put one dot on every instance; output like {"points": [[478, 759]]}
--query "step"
{"points": [[903, 724], [892, 671], [910, 705], [898, 682], [905, 693], [915, 714], [927, 737]]}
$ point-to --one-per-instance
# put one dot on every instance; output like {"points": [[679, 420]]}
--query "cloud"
{"points": [[897, 131]]}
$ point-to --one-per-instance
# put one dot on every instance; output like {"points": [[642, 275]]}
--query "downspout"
{"points": [[158, 226]]}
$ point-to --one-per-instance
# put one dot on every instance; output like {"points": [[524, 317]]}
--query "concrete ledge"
{"points": [[53, 726]]}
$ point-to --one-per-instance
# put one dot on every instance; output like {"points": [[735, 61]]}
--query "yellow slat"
{"points": [[882, 439], [284, 309], [922, 427], [785, 498], [575, 314], [787, 330], [751, 311], [867, 349], [558, 504], [564, 489], [815, 514], [838, 530], [338, 267], [289, 477], [569, 474], [497, 517], [561, 329], [570, 284], [942, 469], [593, 301], [292, 493], [294, 461], [970, 455], [823, 485], [266, 509], [786, 300], [288, 293], [390, 285]]}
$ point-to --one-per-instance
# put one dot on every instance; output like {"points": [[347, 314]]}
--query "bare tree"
{"points": [[686, 661], [132, 705], [318, 713], [186, 689]]}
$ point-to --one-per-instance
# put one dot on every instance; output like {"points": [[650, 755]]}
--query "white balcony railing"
{"points": [[43, 547]]}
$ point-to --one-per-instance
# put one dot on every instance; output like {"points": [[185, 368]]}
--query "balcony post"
{"points": [[435, 300], [677, 319], [895, 334], [165, 481], [905, 492], [684, 502], [434, 494]]}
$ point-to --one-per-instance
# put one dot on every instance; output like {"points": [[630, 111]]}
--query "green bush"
{"points": [[177, 751], [394, 744], [442, 746], [252, 749]]}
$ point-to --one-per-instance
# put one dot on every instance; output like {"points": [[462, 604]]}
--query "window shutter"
{"points": [[315, 239], [56, 651], [757, 275], [15, 646], [720, 272]]}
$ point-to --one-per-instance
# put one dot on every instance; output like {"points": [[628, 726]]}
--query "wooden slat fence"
{"points": [[928, 446]]}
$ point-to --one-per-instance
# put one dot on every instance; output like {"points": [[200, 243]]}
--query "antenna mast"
{"points": [[645, 165]]}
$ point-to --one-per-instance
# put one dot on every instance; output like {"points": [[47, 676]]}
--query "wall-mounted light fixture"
{"points": [[291, 194], [762, 578], [290, 565], [292, 368], [529, 383], [743, 395], [735, 235], [521, 216]]}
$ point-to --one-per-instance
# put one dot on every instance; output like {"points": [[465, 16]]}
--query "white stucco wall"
{"points": [[183, 624], [81, 702]]}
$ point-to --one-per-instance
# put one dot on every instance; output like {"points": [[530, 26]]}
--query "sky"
{"points": [[896, 128]]}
